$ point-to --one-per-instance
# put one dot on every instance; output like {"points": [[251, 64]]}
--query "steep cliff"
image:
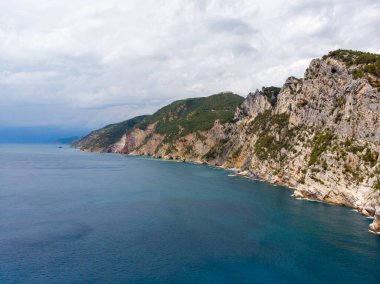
{"points": [[321, 137], [107, 139], [183, 129], [319, 134]]}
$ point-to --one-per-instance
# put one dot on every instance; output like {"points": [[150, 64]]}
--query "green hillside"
{"points": [[174, 120], [104, 137], [196, 114]]}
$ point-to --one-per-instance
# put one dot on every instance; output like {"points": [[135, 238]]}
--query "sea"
{"points": [[72, 217]]}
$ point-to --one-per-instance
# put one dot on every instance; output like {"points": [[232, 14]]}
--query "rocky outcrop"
{"points": [[252, 105], [320, 135], [375, 226]]}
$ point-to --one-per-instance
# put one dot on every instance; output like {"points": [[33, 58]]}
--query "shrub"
{"points": [[210, 155], [324, 165], [302, 180], [377, 185], [341, 101], [355, 149], [371, 157], [320, 143], [236, 154], [354, 173], [271, 93]]}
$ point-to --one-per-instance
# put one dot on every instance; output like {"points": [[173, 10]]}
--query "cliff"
{"points": [[184, 128], [319, 134]]}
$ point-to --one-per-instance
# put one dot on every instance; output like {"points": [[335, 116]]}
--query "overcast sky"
{"points": [[87, 63]]}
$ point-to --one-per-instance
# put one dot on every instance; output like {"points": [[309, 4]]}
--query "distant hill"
{"points": [[102, 139], [175, 120]]}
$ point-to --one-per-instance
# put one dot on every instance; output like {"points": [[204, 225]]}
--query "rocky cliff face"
{"points": [[183, 130], [321, 137], [319, 134]]}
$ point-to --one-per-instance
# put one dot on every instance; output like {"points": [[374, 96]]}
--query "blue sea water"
{"points": [[72, 217]]}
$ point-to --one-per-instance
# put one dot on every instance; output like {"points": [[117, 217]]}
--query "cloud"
{"points": [[233, 26], [90, 63]]}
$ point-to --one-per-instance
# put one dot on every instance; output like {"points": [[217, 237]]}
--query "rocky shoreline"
{"points": [[319, 134], [374, 227]]}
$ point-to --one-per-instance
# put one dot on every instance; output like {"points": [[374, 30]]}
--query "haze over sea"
{"points": [[73, 217]]}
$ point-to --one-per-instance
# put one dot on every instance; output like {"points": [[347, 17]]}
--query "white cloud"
{"points": [[96, 62]]}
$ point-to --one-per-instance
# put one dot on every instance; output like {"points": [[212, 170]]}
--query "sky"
{"points": [[82, 64]]}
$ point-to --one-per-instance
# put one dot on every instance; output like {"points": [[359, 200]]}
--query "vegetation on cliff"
{"points": [[271, 93], [321, 141], [173, 121], [100, 140], [364, 64], [269, 128], [190, 115]]}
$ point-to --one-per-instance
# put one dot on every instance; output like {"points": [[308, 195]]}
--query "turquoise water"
{"points": [[71, 217]]}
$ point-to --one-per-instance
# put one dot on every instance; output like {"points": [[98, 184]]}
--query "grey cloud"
{"points": [[91, 63], [233, 26], [245, 49]]}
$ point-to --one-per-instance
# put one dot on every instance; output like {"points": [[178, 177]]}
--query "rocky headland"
{"points": [[319, 134]]}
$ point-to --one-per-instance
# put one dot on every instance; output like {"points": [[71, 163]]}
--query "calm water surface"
{"points": [[71, 217]]}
